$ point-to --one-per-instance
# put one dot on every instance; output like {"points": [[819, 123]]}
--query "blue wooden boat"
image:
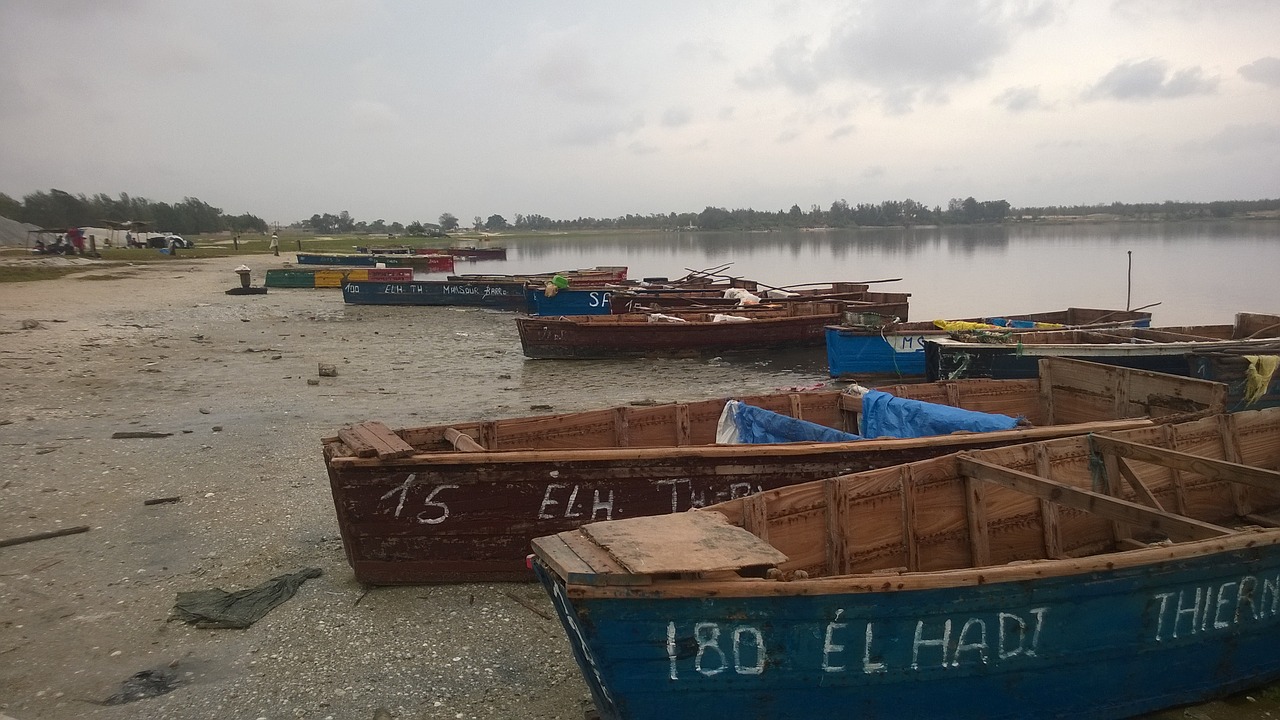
{"points": [[517, 296], [1240, 355], [1101, 576], [897, 348], [500, 295]]}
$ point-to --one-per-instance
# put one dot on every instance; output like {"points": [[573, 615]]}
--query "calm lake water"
{"points": [[1201, 272]]}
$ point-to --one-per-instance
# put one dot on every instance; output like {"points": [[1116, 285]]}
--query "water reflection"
{"points": [[1199, 271]]}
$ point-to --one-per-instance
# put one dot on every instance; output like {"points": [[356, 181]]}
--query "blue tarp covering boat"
{"points": [[883, 415]]}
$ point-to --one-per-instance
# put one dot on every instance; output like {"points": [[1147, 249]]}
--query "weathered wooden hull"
{"points": [[475, 253], [426, 263], [499, 295], [583, 277], [470, 516], [855, 295], [1107, 644], [1023, 582], [332, 277], [638, 335], [463, 502], [898, 349]]}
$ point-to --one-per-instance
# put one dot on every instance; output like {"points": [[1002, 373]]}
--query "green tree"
{"points": [[9, 208], [448, 222], [495, 222], [415, 228]]}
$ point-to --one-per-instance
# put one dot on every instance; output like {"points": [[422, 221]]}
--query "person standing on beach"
{"points": [[275, 244]]}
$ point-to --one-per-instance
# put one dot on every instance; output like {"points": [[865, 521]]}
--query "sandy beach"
{"points": [[160, 348]]}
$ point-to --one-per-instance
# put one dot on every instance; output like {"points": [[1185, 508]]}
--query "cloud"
{"points": [[787, 136], [602, 132], [1150, 79], [570, 74], [373, 115], [842, 131], [1247, 139], [909, 52], [791, 65], [1263, 70], [676, 117], [1020, 99]]}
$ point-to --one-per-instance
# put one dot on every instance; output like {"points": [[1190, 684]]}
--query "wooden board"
{"points": [[373, 439], [653, 545]]}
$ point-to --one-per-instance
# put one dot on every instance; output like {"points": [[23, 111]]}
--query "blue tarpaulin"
{"points": [[884, 415], [742, 423]]}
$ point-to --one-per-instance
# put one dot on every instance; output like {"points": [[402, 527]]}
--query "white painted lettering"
{"points": [[869, 667], [919, 642], [1218, 622], [569, 512], [979, 644], [547, 500], [423, 517], [707, 636], [597, 505], [671, 651], [829, 647]]}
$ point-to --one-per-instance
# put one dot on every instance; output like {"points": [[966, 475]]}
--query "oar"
{"points": [[784, 289], [1144, 307], [696, 273], [855, 282]]}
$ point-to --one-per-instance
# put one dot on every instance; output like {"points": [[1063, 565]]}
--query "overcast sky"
{"points": [[405, 110]]}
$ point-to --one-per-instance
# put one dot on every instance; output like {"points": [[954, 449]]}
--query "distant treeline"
{"points": [[839, 215], [1167, 210], [57, 209]]}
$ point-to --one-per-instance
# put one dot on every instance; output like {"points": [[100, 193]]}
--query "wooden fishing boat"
{"points": [[460, 502], [426, 263], [1098, 576], [332, 277], [470, 293], [476, 253], [1236, 354], [594, 276], [897, 348], [507, 295], [682, 334], [659, 299]]}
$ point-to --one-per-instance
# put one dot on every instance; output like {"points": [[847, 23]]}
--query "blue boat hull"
{"points": [[570, 301], [853, 351], [1105, 644], [500, 295]]}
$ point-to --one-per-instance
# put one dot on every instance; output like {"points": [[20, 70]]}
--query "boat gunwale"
{"points": [[1243, 538], [1119, 348], [717, 450]]}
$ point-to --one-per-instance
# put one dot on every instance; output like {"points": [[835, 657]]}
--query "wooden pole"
{"points": [[1128, 295]]}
